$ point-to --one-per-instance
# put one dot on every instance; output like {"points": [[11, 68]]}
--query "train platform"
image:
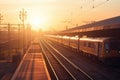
{"points": [[32, 66]]}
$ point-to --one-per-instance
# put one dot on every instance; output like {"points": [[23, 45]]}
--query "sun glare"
{"points": [[37, 23]]}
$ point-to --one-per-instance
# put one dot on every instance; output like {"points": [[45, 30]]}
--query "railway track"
{"points": [[58, 70], [68, 67]]}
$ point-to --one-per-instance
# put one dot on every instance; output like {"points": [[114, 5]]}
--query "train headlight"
{"points": [[107, 51], [119, 51]]}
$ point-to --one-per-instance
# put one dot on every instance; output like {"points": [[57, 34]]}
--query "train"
{"points": [[102, 48]]}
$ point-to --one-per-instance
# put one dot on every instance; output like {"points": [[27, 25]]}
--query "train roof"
{"points": [[99, 39]]}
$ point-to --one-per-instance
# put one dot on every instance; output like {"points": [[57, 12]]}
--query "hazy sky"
{"points": [[57, 14]]}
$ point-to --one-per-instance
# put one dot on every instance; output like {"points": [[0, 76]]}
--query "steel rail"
{"points": [[49, 62], [62, 64], [74, 65]]}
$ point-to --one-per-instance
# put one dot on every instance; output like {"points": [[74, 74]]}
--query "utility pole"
{"points": [[0, 25], [9, 40], [18, 37], [23, 16], [1, 18], [67, 21]]}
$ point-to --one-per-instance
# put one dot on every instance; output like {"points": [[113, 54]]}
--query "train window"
{"points": [[107, 47], [84, 44], [91, 45]]}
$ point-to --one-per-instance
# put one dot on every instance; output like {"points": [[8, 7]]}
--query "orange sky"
{"points": [[57, 14]]}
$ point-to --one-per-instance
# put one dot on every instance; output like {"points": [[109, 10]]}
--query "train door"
{"points": [[61, 39], [69, 42], [78, 44], [99, 48]]}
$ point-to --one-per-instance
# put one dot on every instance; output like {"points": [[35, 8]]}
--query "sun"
{"points": [[37, 23]]}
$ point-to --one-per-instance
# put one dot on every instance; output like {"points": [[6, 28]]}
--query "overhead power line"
{"points": [[102, 3]]}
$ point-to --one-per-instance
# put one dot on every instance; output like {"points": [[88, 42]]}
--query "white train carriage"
{"points": [[59, 39], [66, 40], [74, 43], [103, 48]]}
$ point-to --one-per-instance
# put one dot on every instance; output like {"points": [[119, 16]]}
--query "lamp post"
{"points": [[23, 16]]}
